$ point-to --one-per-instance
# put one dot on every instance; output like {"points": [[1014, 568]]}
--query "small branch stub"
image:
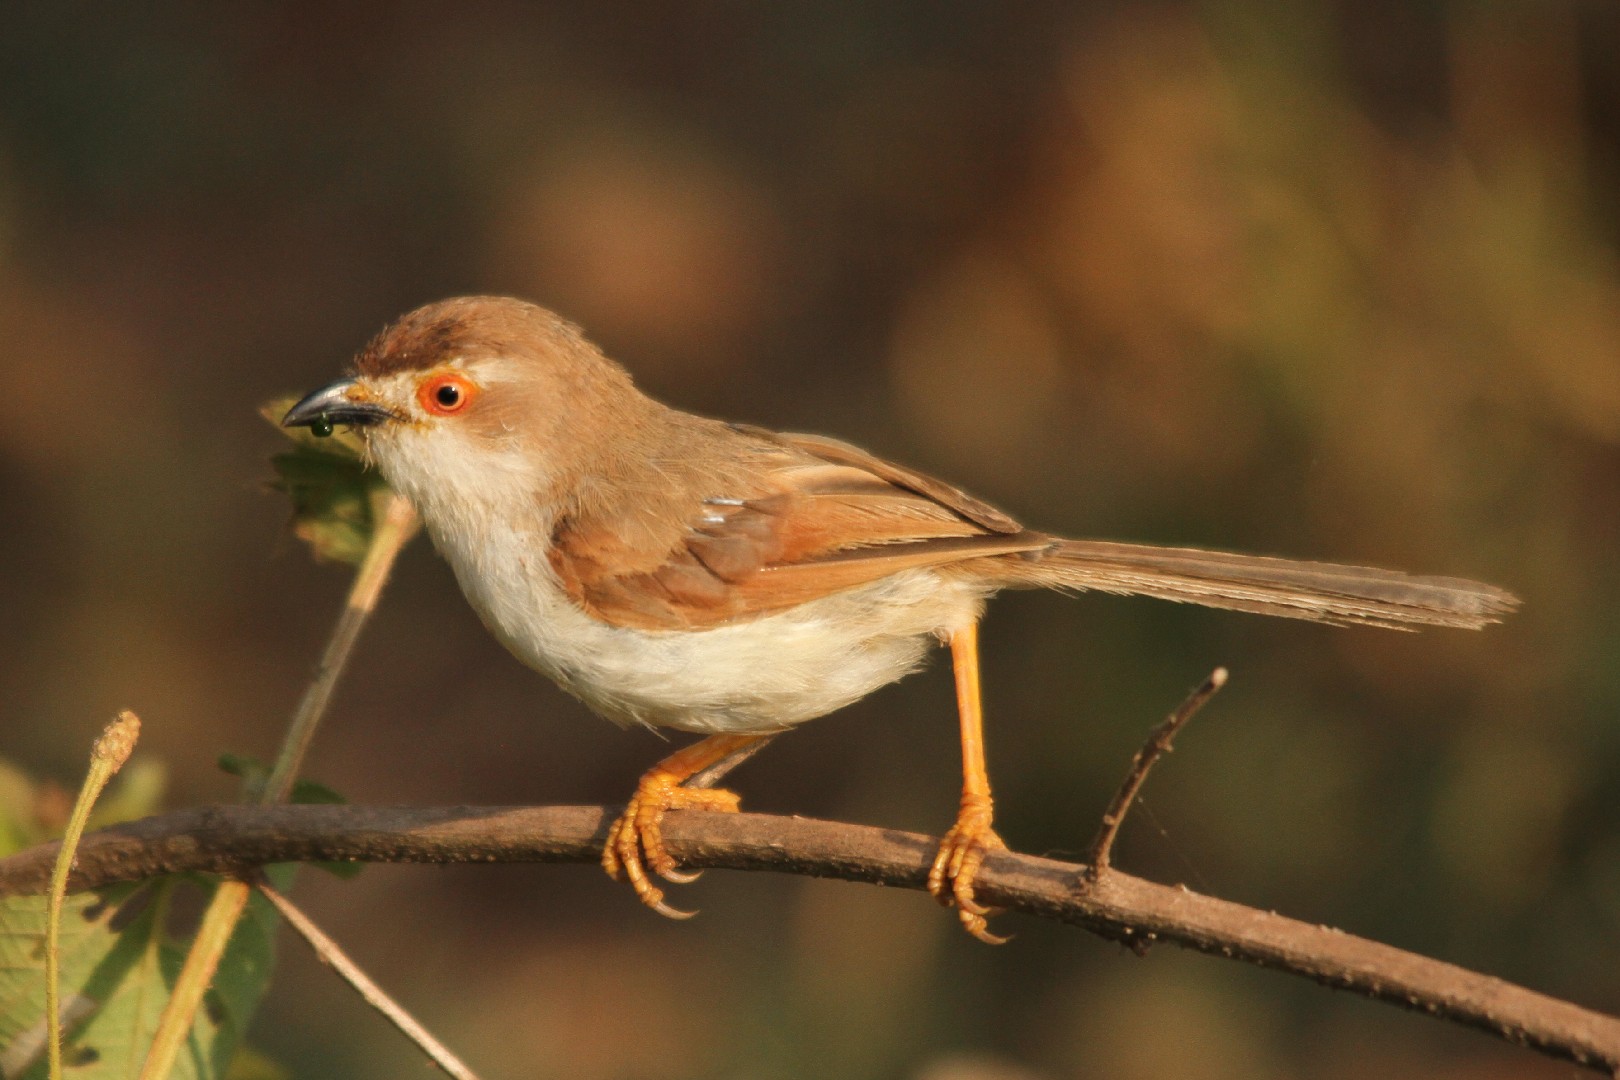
{"points": [[1157, 745]]}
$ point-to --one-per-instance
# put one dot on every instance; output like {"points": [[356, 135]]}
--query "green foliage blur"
{"points": [[1317, 279], [119, 953], [119, 958]]}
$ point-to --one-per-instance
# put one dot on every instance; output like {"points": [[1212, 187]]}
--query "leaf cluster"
{"points": [[118, 955], [335, 496]]}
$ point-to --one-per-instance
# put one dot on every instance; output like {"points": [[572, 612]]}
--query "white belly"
{"points": [[757, 676]]}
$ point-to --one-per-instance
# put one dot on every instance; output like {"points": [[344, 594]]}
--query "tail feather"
{"points": [[1322, 592]]}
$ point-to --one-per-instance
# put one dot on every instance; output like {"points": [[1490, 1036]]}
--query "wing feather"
{"points": [[807, 517], [820, 517]]}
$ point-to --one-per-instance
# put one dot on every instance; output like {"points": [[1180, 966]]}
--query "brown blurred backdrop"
{"points": [[1315, 278]]}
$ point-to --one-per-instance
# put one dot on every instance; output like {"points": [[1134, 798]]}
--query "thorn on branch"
{"points": [[1157, 745]]}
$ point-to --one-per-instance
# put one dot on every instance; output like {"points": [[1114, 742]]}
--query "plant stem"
{"points": [[108, 755], [335, 958], [395, 523], [213, 934]]}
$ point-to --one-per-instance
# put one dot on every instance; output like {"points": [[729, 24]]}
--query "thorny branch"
{"points": [[237, 839]]}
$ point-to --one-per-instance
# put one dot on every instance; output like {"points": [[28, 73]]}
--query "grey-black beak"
{"points": [[332, 405]]}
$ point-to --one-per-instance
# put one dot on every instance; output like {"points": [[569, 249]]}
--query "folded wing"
{"points": [[811, 516]]}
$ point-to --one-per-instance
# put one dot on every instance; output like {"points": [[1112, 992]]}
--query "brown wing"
{"points": [[842, 453], [797, 518]]}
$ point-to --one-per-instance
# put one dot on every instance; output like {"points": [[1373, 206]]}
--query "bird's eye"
{"points": [[445, 393]]}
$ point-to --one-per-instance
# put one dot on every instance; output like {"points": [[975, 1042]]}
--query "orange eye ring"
{"points": [[445, 394]]}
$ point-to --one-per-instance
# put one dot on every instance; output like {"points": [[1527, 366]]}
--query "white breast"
{"points": [[762, 675], [756, 676]]}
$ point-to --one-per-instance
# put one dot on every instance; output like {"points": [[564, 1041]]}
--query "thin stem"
{"points": [[396, 523], [335, 958], [1157, 745], [213, 934], [108, 755]]}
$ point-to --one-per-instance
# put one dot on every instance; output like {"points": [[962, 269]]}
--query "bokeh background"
{"points": [[1316, 278]]}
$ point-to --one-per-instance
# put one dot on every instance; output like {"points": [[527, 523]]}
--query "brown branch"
{"points": [[238, 839], [1157, 745]]}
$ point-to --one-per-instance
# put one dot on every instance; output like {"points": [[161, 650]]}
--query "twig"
{"points": [[214, 931], [1157, 745], [336, 959], [107, 756], [396, 523], [233, 839]]}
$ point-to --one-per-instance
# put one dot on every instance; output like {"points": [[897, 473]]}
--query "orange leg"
{"points": [[636, 842], [962, 851]]}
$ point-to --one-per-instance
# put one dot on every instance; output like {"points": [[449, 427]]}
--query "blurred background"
{"points": [[1315, 278]]}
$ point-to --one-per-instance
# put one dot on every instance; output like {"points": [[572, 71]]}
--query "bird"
{"points": [[679, 572]]}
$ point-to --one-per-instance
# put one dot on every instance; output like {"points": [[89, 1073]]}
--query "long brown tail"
{"points": [[1324, 592]]}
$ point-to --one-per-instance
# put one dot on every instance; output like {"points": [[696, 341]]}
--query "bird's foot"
{"points": [[635, 843], [961, 853]]}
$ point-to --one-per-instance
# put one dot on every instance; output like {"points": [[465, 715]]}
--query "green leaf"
{"points": [[334, 495], [313, 791], [118, 964], [243, 766], [249, 1064], [250, 770], [255, 772]]}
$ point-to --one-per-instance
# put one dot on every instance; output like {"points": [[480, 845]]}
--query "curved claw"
{"points": [[964, 871], [668, 912], [975, 925], [646, 891], [956, 867], [962, 897], [635, 842]]}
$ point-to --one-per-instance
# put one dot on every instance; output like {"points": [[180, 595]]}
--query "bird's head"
{"points": [[477, 400]]}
